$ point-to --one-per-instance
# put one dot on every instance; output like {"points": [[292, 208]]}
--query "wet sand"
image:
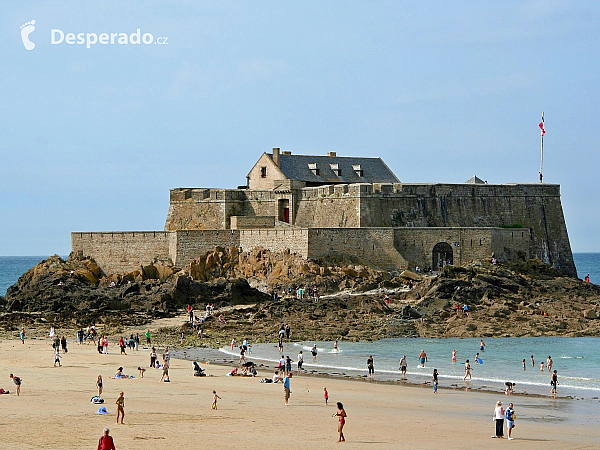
{"points": [[54, 409]]}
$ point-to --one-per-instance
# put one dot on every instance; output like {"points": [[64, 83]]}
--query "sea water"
{"points": [[12, 267], [576, 360]]}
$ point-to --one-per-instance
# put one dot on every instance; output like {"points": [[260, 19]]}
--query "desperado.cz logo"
{"points": [[58, 36]]}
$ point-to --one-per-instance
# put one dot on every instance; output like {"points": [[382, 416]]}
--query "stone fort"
{"points": [[352, 209]]}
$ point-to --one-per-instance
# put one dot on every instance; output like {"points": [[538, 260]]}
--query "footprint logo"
{"points": [[26, 30]]}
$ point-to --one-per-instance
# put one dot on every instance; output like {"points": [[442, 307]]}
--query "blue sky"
{"points": [[92, 139]]}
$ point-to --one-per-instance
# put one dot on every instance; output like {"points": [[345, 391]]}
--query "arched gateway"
{"points": [[441, 255]]}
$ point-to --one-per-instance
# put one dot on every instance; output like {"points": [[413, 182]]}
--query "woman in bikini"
{"points": [[99, 385], [120, 407], [341, 413]]}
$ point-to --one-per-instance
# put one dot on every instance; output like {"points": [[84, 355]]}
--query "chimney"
{"points": [[331, 154], [276, 156]]}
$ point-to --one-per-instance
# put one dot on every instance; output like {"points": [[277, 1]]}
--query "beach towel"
{"points": [[96, 400]]}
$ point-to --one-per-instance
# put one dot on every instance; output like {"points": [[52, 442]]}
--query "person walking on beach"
{"points": [[63, 344], [467, 370], [403, 365], [165, 373], [51, 334], [148, 340], [215, 398], [153, 358], [280, 345], [422, 358], [106, 442], [288, 364], [371, 367], [300, 360], [122, 345], [17, 381], [57, 358], [510, 420], [288, 330], [341, 414], [190, 311], [105, 345], [99, 385], [286, 388], [325, 395], [314, 352], [554, 382], [435, 381], [499, 419], [549, 364], [22, 335], [120, 407]]}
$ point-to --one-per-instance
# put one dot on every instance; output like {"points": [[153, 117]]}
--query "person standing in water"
{"points": [[422, 358], [524, 365], [314, 353], [371, 367], [481, 345], [403, 365], [554, 382], [549, 363], [467, 370], [335, 346], [454, 352], [532, 361], [341, 413]]}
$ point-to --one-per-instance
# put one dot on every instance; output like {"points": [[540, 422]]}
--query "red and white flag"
{"points": [[542, 126]]}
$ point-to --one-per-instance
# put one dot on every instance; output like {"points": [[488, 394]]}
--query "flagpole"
{"points": [[542, 152]]}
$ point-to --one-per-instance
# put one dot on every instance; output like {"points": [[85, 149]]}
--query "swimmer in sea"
{"points": [[454, 352], [477, 358], [532, 361], [335, 346], [541, 367], [403, 367], [481, 345], [524, 366], [467, 370], [549, 363], [422, 358]]}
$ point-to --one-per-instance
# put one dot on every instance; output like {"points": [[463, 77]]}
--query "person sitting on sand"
{"points": [[119, 373], [222, 319], [509, 388], [276, 377]]}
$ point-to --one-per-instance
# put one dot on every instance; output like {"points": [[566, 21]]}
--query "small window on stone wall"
{"points": [[263, 172]]}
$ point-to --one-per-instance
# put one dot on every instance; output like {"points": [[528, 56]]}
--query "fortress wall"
{"points": [[329, 206], [278, 240], [122, 251], [191, 244], [534, 206], [197, 209], [370, 246], [240, 222], [468, 244]]}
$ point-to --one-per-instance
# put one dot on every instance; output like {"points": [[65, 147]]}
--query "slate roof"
{"points": [[298, 167], [475, 180]]}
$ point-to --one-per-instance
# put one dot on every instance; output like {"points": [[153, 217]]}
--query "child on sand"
{"points": [[17, 382], [99, 385], [141, 370], [120, 407], [435, 381], [215, 397], [57, 358], [341, 413], [326, 395]]}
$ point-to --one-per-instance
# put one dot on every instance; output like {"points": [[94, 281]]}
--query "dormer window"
{"points": [[357, 169], [314, 169], [263, 172], [336, 169]]}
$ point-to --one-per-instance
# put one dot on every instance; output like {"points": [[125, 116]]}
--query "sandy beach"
{"points": [[54, 409]]}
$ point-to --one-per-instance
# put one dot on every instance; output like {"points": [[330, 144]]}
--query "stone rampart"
{"points": [[123, 251], [191, 244], [278, 240]]}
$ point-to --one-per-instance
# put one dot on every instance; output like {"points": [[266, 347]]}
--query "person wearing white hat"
{"points": [[499, 419]]}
